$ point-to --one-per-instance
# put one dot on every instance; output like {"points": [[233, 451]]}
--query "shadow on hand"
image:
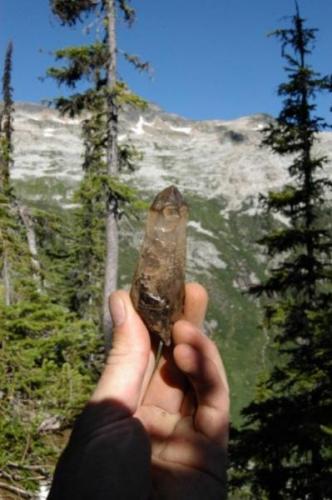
{"points": [[107, 457], [181, 484]]}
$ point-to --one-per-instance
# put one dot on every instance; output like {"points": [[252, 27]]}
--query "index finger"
{"points": [[195, 304]]}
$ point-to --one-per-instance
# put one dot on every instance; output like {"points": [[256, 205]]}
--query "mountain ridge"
{"points": [[216, 158]]}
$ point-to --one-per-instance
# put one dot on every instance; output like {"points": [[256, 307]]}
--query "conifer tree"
{"points": [[15, 264], [6, 122], [101, 194], [283, 450], [5, 163], [17, 223]]}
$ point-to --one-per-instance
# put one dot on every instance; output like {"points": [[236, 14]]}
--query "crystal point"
{"points": [[157, 290]]}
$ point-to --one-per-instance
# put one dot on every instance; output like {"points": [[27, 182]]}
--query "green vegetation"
{"points": [[6, 123], [283, 450], [45, 377], [48, 366]]}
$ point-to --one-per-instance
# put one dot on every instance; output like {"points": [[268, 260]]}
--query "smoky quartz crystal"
{"points": [[157, 290]]}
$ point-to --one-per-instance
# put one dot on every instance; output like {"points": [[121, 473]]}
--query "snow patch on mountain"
{"points": [[211, 159], [203, 256], [182, 130], [138, 129], [198, 227]]}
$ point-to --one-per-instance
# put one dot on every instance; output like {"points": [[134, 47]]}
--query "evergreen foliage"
{"points": [[99, 190], [70, 12], [6, 123], [15, 258], [283, 450], [15, 261], [45, 378]]}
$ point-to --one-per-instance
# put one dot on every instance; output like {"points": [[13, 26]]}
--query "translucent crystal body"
{"points": [[158, 286]]}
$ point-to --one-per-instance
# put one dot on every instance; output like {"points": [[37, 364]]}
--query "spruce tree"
{"points": [[6, 122], [15, 261], [101, 194], [283, 451], [5, 164], [17, 223]]}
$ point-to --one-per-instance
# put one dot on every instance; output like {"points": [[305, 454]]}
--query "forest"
{"points": [[266, 264]]}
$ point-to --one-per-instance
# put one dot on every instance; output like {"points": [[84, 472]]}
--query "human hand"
{"points": [[180, 410]]}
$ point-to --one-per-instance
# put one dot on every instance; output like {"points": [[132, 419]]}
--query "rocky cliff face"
{"points": [[220, 168], [211, 159]]}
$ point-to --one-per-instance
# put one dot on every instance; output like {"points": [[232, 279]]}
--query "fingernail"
{"points": [[118, 310]]}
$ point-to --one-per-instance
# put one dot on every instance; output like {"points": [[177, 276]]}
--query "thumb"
{"points": [[128, 360]]}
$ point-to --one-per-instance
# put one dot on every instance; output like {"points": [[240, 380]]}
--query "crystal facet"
{"points": [[157, 291]]}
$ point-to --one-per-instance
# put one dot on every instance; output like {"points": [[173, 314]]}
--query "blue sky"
{"points": [[212, 59]]}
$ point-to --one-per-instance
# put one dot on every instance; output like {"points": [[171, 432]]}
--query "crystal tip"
{"points": [[170, 196]]}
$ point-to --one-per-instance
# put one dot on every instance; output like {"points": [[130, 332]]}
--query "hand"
{"points": [[185, 411], [183, 405], [174, 416]]}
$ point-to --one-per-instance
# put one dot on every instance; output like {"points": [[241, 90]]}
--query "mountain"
{"points": [[221, 169]]}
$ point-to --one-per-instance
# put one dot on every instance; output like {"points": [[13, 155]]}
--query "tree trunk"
{"points": [[111, 266], [31, 238]]}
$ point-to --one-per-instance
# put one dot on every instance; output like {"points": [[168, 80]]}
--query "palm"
{"points": [[182, 455], [182, 404]]}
